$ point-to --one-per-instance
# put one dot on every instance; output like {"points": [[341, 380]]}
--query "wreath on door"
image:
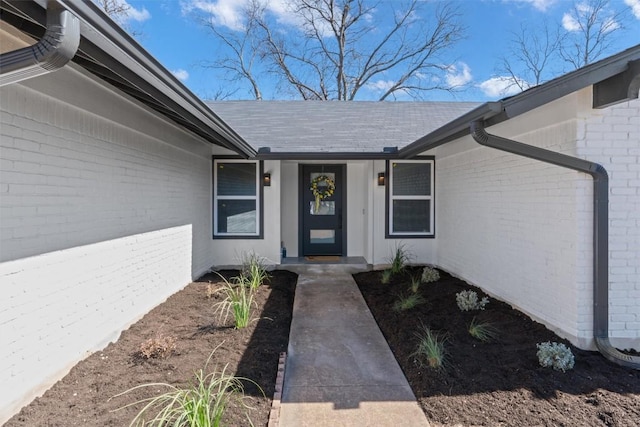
{"points": [[322, 187]]}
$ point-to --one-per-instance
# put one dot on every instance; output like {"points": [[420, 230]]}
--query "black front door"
{"points": [[322, 213]]}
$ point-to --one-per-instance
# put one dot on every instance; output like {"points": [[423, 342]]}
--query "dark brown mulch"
{"points": [[492, 384], [82, 398], [499, 383]]}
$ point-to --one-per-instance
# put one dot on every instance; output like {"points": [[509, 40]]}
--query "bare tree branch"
{"points": [[336, 48], [245, 47], [119, 12], [592, 28], [531, 54]]}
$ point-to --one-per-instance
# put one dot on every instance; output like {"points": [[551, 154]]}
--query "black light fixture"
{"points": [[266, 179], [381, 179]]}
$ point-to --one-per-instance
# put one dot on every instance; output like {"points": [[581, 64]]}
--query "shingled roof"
{"points": [[335, 126]]}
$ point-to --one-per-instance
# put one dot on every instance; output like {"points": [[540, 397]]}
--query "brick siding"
{"points": [[522, 230], [102, 217]]}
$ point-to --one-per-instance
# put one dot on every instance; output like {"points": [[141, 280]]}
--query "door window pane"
{"points": [[237, 216], [236, 179], [322, 237], [325, 208], [411, 179], [330, 175], [411, 216]]}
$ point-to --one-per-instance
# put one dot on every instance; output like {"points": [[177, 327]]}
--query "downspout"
{"points": [[58, 45], [600, 230]]}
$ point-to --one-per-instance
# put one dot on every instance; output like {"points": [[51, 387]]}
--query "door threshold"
{"points": [[324, 259], [303, 265]]}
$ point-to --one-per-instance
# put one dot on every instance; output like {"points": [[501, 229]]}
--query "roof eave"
{"points": [[492, 113], [137, 73], [326, 156]]}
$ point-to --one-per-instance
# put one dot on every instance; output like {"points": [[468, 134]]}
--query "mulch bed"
{"points": [[498, 383], [492, 384], [83, 397]]}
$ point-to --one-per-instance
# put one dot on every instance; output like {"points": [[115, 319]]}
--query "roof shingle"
{"points": [[335, 126]]}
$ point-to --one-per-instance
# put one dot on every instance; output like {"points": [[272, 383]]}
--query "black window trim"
{"points": [[260, 199], [387, 197]]}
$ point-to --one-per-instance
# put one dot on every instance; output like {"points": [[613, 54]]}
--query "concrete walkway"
{"points": [[339, 369]]}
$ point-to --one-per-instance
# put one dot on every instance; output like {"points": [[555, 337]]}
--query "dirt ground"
{"points": [[83, 397], [499, 383], [489, 384]]}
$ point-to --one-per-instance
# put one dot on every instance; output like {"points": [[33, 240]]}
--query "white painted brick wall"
{"points": [[509, 224], [101, 219], [611, 137], [522, 230]]}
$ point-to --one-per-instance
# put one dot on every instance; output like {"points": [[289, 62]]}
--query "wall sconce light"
{"points": [[381, 179], [266, 179]]}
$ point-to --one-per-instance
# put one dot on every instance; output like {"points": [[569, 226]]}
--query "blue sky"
{"points": [[170, 33]]}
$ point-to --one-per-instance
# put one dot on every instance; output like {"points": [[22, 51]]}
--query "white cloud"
{"points": [[180, 74], [381, 85], [129, 13], [497, 87], [570, 23], [635, 7], [458, 75], [229, 13], [139, 15], [541, 5], [610, 24]]}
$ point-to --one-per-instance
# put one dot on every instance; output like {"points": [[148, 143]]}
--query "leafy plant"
{"points": [[555, 355], [238, 300], [386, 277], [483, 331], [254, 270], [431, 349], [415, 284], [407, 302], [200, 404], [399, 260], [158, 347], [468, 300], [430, 274]]}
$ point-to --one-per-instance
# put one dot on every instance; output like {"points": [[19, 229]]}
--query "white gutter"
{"points": [[56, 48]]}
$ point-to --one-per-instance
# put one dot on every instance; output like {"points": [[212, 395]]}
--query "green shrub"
{"points": [[468, 300], [430, 274], [407, 302], [385, 278], [254, 270], [400, 259], [200, 404], [238, 300], [555, 355], [415, 284], [431, 349], [483, 331]]}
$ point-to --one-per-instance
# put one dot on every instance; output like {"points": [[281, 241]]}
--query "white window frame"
{"points": [[258, 200], [391, 197]]}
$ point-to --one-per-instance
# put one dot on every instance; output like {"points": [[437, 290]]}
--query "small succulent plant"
{"points": [[430, 274], [555, 355], [468, 301]]}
